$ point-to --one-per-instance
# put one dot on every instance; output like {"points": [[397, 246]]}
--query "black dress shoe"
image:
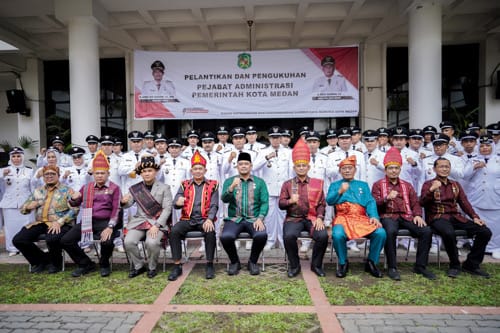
{"points": [[135, 272], [476, 271], [253, 268], [176, 272], [318, 270], [83, 270], [371, 268], [152, 273], [424, 272], [105, 271], [293, 272], [36, 269], [342, 270], [53, 269], [234, 268], [453, 272], [209, 271], [394, 274]]}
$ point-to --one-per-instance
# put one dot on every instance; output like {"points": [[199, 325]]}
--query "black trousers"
{"points": [[70, 244], [291, 231], [24, 241], [481, 234], [423, 234], [231, 231], [178, 233]]}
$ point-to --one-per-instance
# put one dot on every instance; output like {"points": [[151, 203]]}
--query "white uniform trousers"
{"points": [[13, 221], [274, 222]]}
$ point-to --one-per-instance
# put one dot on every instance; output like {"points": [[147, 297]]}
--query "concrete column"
{"points": [[373, 95], [489, 106], [84, 78], [424, 63], [34, 125]]}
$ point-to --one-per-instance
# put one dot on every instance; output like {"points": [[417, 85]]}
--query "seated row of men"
{"points": [[357, 210]]}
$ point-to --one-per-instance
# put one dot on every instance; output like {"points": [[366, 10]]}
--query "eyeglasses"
{"points": [[50, 174]]}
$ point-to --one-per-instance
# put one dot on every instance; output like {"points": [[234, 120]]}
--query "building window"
{"points": [[113, 101], [460, 91]]}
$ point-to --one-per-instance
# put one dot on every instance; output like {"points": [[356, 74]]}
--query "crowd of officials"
{"points": [[363, 186]]}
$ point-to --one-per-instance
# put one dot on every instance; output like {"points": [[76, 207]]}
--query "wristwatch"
{"points": [[111, 226]]}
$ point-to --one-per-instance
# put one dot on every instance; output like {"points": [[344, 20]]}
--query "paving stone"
{"points": [[24, 330], [369, 322], [429, 322], [390, 329], [438, 316], [380, 315], [76, 326], [482, 330], [17, 318], [489, 323], [95, 328], [349, 327], [5, 330], [454, 329], [54, 331], [45, 318], [94, 319], [133, 318], [459, 323], [16, 324], [366, 329], [399, 322], [466, 316], [422, 329], [45, 325], [124, 329], [114, 324], [71, 319]]}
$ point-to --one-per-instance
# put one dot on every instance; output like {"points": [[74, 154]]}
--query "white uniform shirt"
{"points": [[276, 170], [334, 84], [126, 169], [256, 147], [77, 177], [214, 165], [457, 167], [17, 186], [334, 160], [172, 175], [484, 183], [374, 172], [229, 168], [412, 174], [164, 89], [188, 152]]}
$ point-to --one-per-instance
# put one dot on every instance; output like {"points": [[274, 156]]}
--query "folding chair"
{"points": [[247, 237], [304, 236], [194, 235]]}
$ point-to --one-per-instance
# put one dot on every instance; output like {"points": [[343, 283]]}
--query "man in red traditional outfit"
{"points": [[199, 200], [304, 201], [398, 206], [356, 217]]}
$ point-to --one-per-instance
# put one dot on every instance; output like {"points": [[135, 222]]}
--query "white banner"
{"points": [[312, 83]]}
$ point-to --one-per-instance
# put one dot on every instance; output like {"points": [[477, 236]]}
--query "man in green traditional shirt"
{"points": [[248, 201]]}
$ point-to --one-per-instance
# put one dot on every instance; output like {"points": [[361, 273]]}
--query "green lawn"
{"points": [[271, 287], [237, 322], [17, 285], [360, 288]]}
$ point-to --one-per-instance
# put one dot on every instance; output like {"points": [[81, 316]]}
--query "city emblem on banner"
{"points": [[244, 60]]}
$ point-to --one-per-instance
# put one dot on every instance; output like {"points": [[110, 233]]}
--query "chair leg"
{"points": [[408, 248]]}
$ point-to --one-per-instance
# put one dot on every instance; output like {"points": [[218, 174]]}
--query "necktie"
{"points": [[158, 86], [369, 155], [17, 170], [486, 160], [93, 154], [276, 151], [329, 81], [346, 154], [469, 156], [174, 161], [383, 149], [192, 150], [108, 159], [137, 156], [251, 146], [314, 158], [353, 147], [161, 156], [78, 170], [209, 156]]}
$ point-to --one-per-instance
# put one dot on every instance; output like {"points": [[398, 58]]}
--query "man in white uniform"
{"points": [[329, 82], [275, 166], [158, 87]]}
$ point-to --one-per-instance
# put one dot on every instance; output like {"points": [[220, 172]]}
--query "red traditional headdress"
{"points": [[301, 152], [198, 159], [393, 157]]}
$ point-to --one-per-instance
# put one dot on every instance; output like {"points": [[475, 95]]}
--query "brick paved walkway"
{"points": [[143, 318]]}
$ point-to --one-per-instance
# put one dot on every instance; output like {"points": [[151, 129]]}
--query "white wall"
{"points": [[8, 121], [373, 86], [489, 59]]}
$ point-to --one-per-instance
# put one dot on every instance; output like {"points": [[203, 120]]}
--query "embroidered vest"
{"points": [[208, 188]]}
